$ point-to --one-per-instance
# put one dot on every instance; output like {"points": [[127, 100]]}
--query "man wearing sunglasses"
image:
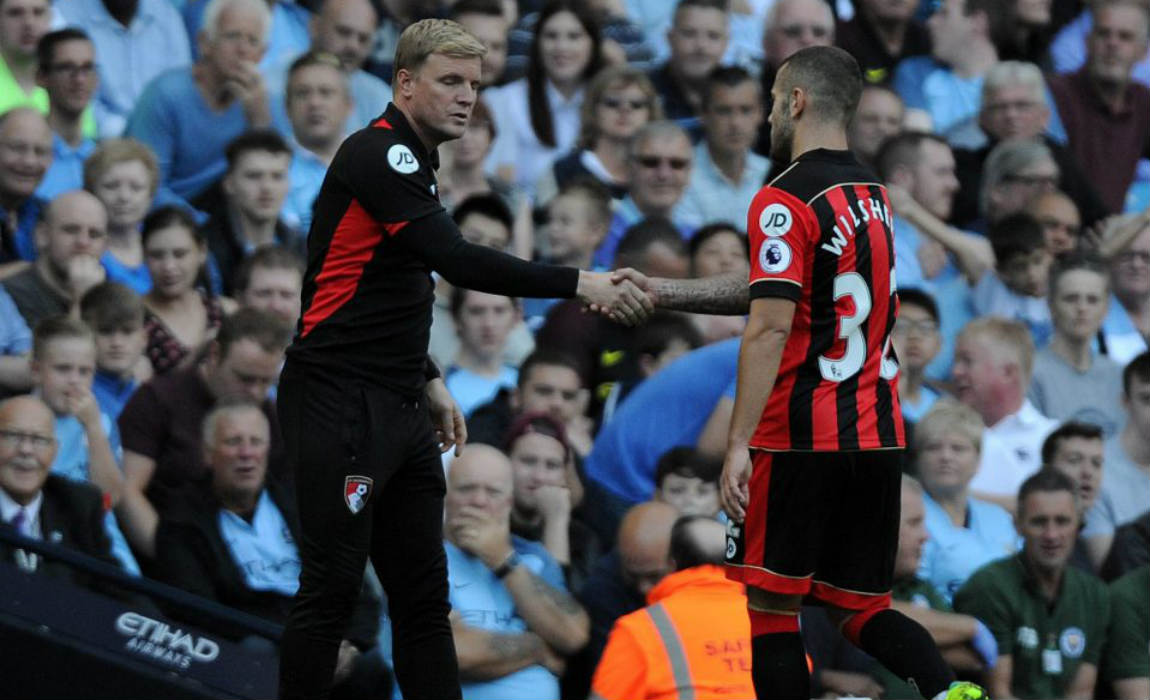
{"points": [[659, 162]]}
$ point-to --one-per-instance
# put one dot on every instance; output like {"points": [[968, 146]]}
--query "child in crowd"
{"points": [[484, 323], [577, 221], [115, 314], [88, 444], [664, 338], [689, 481], [916, 342], [1017, 288]]}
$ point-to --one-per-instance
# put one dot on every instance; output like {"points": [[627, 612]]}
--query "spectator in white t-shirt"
{"points": [[993, 359], [538, 115]]}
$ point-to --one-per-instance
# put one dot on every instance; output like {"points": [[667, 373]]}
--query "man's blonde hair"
{"points": [[429, 36], [1007, 338]]}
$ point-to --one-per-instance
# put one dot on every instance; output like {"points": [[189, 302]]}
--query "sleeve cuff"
{"points": [[430, 370], [784, 289]]}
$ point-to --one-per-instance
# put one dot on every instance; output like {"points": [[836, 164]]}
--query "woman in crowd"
{"points": [[123, 174], [618, 102], [538, 116], [717, 249], [461, 173], [181, 317], [965, 533], [548, 491]]}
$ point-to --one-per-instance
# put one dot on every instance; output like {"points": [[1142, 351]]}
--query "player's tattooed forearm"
{"points": [[723, 294]]}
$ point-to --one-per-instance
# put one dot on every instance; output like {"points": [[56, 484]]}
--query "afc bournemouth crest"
{"points": [[356, 491]]}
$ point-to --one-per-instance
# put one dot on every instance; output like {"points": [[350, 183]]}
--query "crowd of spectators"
{"points": [[158, 164]]}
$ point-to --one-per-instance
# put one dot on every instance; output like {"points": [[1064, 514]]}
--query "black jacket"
{"points": [[191, 554], [72, 516]]}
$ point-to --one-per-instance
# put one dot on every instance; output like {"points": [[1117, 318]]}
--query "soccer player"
{"points": [[361, 405], [811, 478]]}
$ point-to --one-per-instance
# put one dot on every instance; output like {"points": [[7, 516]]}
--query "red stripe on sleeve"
{"points": [[352, 246]]}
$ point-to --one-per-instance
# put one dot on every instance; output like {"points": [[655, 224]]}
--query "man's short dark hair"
{"points": [[1047, 481], [641, 236], [596, 194], [1073, 261], [488, 204], [720, 5], [727, 77], [110, 306], [268, 257], [267, 140], [663, 328], [46, 47], [704, 234], [487, 8], [830, 76], [1014, 235], [54, 327], [315, 58], [687, 549], [1069, 429], [921, 299], [264, 329], [459, 298], [689, 463], [546, 357], [902, 150], [1138, 368]]}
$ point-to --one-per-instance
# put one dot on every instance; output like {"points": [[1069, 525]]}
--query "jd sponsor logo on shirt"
{"points": [[775, 220], [401, 159], [1028, 637], [160, 642], [1072, 642], [774, 255]]}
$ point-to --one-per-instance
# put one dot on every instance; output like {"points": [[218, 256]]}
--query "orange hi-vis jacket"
{"points": [[692, 642]]}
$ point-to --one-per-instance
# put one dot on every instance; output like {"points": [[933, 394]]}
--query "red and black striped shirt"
{"points": [[821, 236], [377, 233]]}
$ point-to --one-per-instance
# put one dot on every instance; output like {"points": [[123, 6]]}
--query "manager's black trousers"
{"points": [[334, 432]]}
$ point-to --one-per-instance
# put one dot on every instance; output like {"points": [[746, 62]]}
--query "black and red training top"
{"points": [[377, 233]]}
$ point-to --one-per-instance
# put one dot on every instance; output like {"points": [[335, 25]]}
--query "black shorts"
{"points": [[820, 524]]}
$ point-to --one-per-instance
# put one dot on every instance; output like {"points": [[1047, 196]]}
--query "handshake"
{"points": [[624, 295]]}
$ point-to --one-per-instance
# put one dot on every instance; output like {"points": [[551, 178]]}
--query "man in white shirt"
{"points": [[727, 175], [993, 360]]}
